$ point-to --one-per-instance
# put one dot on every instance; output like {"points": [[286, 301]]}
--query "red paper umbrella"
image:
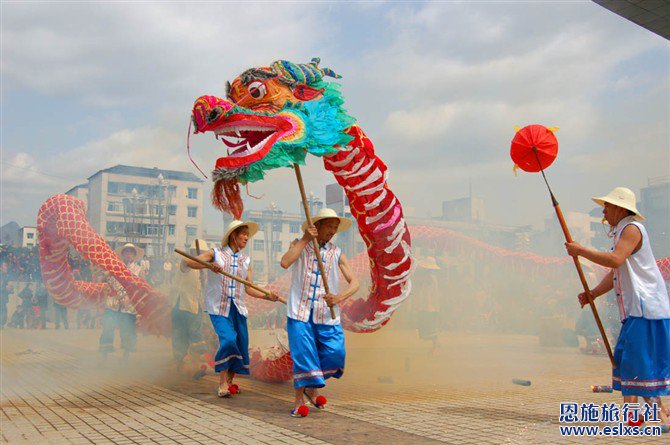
{"points": [[534, 148], [530, 140]]}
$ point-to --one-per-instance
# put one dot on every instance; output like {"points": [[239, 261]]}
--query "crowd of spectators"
{"points": [[33, 307]]}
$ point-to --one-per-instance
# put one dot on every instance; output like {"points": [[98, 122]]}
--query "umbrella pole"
{"points": [[580, 272], [315, 243]]}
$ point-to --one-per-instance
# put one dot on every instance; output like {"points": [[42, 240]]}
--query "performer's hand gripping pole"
{"points": [[241, 280], [298, 175], [580, 272]]}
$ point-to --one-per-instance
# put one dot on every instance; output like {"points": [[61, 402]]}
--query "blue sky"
{"points": [[438, 87]]}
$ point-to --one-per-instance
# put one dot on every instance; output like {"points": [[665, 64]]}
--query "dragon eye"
{"points": [[257, 90], [214, 114]]}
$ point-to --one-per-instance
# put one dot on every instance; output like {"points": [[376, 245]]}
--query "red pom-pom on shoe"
{"points": [[303, 410], [321, 401], [234, 389], [635, 421]]}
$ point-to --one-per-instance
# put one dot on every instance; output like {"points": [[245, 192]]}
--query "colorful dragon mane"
{"points": [[272, 117]]}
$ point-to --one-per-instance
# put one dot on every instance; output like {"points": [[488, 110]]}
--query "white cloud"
{"points": [[437, 86], [111, 54]]}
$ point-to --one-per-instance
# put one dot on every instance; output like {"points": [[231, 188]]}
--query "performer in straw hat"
{"points": [[642, 353], [119, 310], [224, 302], [186, 308], [315, 338]]}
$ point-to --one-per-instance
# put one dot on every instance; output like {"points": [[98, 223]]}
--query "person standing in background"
{"points": [[119, 310], [42, 297], [60, 316], [5, 291], [186, 308], [427, 301]]}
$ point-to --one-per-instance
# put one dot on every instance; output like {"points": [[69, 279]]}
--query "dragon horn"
{"points": [[307, 73], [326, 71]]}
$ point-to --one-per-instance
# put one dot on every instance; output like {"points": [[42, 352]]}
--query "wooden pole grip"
{"points": [[315, 242], [585, 285], [233, 277]]}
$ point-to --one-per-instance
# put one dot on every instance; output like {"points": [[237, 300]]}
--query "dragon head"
{"points": [[272, 116]]}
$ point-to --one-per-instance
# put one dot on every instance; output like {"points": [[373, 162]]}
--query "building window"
{"points": [[114, 227], [171, 229], [153, 229], [277, 226], [192, 193], [30, 235], [114, 206], [191, 231], [276, 246], [261, 224], [113, 187], [259, 244], [294, 227], [170, 247], [192, 212], [172, 210], [259, 266]]}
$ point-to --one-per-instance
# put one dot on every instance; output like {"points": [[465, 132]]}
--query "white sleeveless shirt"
{"points": [[221, 290], [307, 289], [638, 283]]}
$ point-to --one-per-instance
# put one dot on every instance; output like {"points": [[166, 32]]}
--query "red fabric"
{"points": [[542, 139], [304, 92]]}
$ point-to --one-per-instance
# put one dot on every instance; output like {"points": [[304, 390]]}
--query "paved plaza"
{"points": [[395, 390]]}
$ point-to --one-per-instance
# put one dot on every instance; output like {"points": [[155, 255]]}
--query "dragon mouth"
{"points": [[244, 140], [247, 135], [247, 141]]}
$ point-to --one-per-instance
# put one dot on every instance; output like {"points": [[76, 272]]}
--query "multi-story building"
{"points": [[155, 209], [276, 231], [655, 206], [80, 192], [585, 228], [469, 209], [11, 234], [28, 236]]}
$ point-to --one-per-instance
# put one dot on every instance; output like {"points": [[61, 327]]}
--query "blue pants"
{"points": [[127, 330], [642, 356], [317, 350], [233, 353]]}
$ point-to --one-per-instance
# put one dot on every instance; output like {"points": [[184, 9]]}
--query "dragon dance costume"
{"points": [[316, 340], [224, 302], [642, 353]]}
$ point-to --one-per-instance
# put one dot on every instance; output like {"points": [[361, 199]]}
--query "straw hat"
{"points": [[139, 253], [202, 243], [428, 262], [234, 224], [620, 197], [345, 223]]}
